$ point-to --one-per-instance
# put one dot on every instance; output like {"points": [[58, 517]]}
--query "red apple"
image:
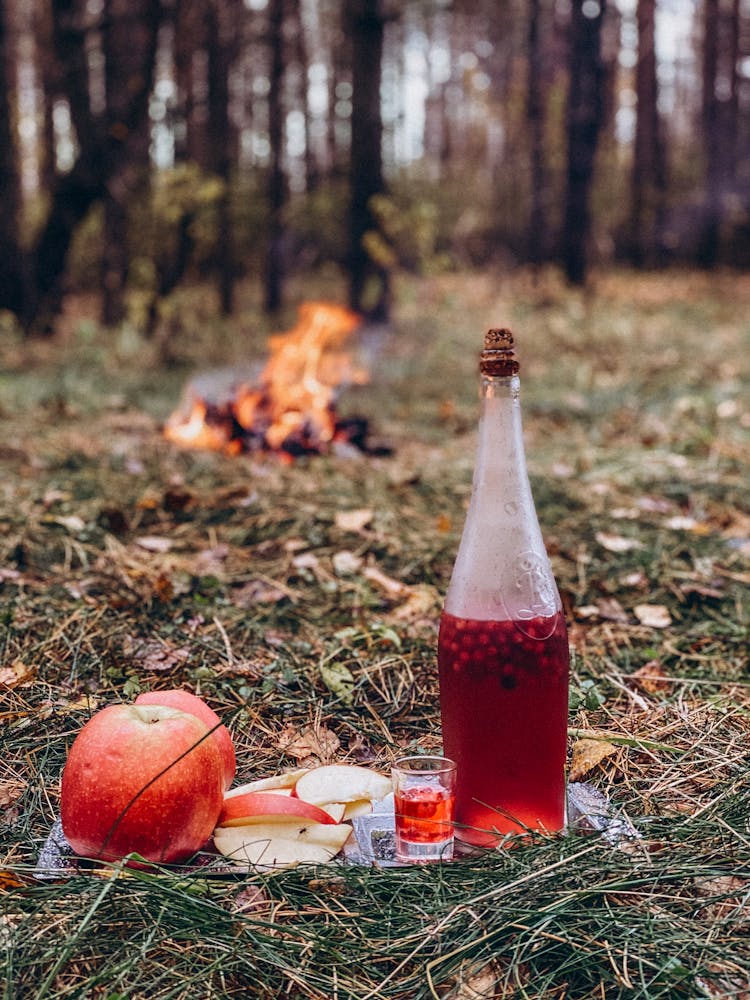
{"points": [[193, 705], [254, 807], [143, 779]]}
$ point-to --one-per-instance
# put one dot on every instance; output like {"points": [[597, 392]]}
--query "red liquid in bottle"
{"points": [[506, 727], [423, 815]]}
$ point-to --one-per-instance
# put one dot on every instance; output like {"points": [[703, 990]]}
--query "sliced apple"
{"points": [[275, 783], [259, 807], [335, 809], [341, 783], [360, 807], [281, 844]]}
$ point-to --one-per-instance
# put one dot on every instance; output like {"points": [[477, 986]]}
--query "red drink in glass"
{"points": [[504, 696], [424, 815], [424, 792]]}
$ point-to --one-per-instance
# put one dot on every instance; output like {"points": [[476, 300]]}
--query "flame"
{"points": [[194, 431], [293, 400]]}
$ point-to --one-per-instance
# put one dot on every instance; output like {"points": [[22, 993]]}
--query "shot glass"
{"points": [[424, 793]]}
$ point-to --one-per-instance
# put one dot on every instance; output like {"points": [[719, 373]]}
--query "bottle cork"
{"points": [[498, 357]]}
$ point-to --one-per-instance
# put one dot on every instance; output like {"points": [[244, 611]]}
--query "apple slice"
{"points": [[259, 807], [281, 844], [360, 807], [342, 783], [275, 783], [335, 809]]}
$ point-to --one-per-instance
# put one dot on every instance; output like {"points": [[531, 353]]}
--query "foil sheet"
{"points": [[373, 842]]}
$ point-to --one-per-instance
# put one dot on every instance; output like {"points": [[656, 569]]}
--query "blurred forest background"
{"points": [[148, 144]]}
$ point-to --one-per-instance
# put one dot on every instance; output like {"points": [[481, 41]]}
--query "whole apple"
{"points": [[191, 703], [144, 779]]}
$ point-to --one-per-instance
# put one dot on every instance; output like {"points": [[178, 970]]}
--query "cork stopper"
{"points": [[498, 357]]}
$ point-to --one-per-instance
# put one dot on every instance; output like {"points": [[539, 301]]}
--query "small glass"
{"points": [[424, 792]]}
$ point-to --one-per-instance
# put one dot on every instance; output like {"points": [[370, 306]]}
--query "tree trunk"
{"points": [[537, 241], [365, 170], [50, 88], [719, 119], [223, 19], [102, 150], [276, 179], [648, 177], [11, 257], [129, 49], [584, 119]]}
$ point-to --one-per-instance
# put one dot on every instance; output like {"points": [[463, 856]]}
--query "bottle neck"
{"points": [[499, 387], [501, 569], [500, 447]]}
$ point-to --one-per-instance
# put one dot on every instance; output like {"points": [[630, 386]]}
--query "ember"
{"points": [[290, 407]]}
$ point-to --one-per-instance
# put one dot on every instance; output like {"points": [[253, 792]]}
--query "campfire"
{"points": [[289, 407]]}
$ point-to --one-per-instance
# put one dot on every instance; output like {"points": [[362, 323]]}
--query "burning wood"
{"points": [[290, 407]]}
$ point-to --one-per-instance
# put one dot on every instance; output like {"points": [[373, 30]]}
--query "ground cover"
{"points": [[302, 602]]}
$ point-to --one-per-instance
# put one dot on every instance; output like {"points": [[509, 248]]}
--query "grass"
{"points": [[128, 565]]}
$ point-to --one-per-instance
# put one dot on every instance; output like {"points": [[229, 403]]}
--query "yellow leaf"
{"points": [[587, 754]]}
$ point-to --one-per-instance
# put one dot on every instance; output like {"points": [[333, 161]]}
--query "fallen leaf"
{"points": [[10, 791], [84, 703], [251, 899], [8, 882], [587, 754], [155, 654], [653, 615], [250, 669], [651, 677], [72, 524], [478, 984], [726, 899], [319, 742], [721, 885], [420, 603], [681, 523], [211, 559], [16, 674], [389, 586], [149, 501], [153, 543], [617, 543], [699, 590], [306, 560], [163, 588], [339, 680], [611, 610], [258, 592], [353, 520], [655, 505], [346, 563], [53, 496], [587, 611]]}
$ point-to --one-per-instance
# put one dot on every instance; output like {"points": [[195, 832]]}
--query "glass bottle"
{"points": [[503, 647]]}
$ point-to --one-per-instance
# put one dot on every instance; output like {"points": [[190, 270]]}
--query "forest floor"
{"points": [[302, 601]]}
